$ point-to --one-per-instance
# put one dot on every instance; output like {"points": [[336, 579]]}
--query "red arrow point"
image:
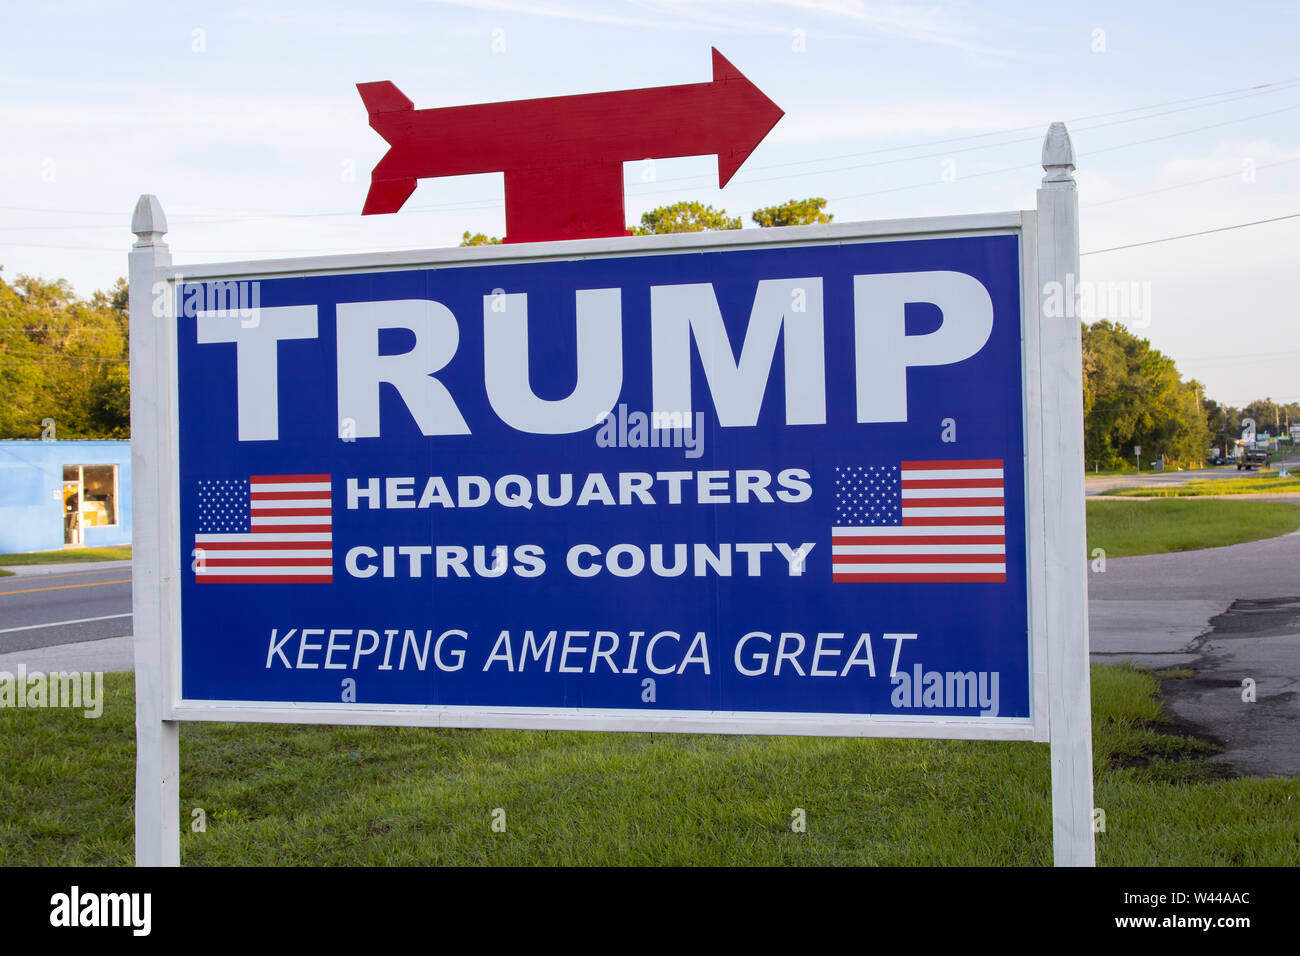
{"points": [[747, 116]]}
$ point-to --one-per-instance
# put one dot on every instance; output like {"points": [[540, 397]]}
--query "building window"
{"points": [[90, 495]]}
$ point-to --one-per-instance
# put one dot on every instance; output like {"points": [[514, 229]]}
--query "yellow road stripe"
{"points": [[64, 587], [46, 576]]}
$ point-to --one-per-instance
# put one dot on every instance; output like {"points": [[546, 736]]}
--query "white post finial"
{"points": [[1058, 155], [148, 221]]}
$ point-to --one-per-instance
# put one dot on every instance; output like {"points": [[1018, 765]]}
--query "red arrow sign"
{"points": [[563, 155]]}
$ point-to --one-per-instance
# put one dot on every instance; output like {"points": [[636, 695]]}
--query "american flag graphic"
{"points": [[920, 521], [270, 529]]}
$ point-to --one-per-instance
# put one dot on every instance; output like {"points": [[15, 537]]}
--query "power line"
{"points": [[1155, 139], [61, 331], [1195, 182], [1189, 235], [928, 182], [931, 182], [1221, 97], [946, 153], [878, 192], [68, 362], [966, 149], [1242, 405], [1280, 85], [1108, 149], [1243, 356]]}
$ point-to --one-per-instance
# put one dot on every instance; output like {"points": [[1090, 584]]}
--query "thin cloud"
{"points": [[931, 24], [327, 21], [900, 120], [563, 12]]}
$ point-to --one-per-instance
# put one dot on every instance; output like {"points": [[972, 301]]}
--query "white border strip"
{"points": [[1032, 470], [832, 233], [613, 720], [834, 725]]}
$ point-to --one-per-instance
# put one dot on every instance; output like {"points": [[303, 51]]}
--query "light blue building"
{"points": [[56, 494]]}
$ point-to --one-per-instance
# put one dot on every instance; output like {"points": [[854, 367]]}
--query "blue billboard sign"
{"points": [[782, 480]]}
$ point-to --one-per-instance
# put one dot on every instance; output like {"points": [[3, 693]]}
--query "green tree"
{"points": [[1134, 395], [478, 239], [108, 403], [63, 358], [796, 212], [1270, 416], [1223, 423], [684, 217]]}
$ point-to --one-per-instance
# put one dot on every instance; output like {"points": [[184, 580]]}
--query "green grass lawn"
{"points": [[315, 795], [70, 554], [1131, 472], [1126, 528], [1259, 484], [371, 796]]}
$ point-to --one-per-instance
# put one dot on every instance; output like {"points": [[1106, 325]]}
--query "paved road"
{"points": [[1227, 613], [1230, 614], [1158, 479], [55, 613]]}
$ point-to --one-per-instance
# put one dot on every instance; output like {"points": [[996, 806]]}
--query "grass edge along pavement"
{"points": [[1266, 484], [299, 795], [67, 554], [63, 555], [1123, 528], [1202, 534], [1160, 528]]}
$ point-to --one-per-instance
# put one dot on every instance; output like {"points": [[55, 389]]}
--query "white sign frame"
{"points": [[1052, 393]]}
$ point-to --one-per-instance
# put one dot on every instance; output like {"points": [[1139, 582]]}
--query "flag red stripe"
{"points": [[265, 545], [918, 539], [286, 479], [290, 512], [904, 578], [290, 529], [954, 522], [952, 502], [263, 579], [937, 465], [291, 495], [287, 563], [952, 482]]}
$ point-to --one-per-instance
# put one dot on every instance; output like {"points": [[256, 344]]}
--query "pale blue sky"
{"points": [[244, 121]]}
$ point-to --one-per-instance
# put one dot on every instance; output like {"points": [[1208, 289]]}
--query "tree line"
{"points": [[690, 216], [65, 359], [1134, 397]]}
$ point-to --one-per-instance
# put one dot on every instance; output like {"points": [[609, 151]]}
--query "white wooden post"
{"points": [[154, 549], [1061, 364]]}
